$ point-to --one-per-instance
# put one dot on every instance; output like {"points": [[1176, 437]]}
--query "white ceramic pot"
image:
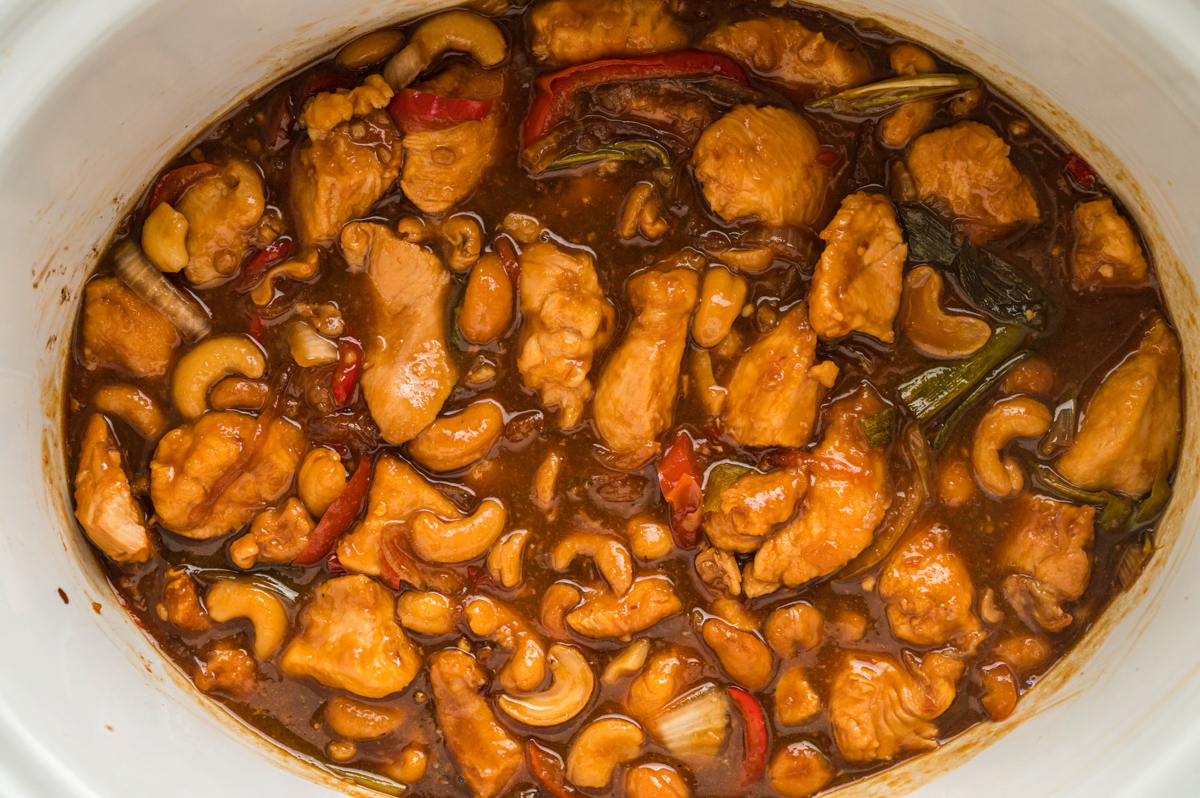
{"points": [[96, 95]]}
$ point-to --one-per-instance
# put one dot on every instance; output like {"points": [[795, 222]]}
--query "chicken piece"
{"points": [[567, 320], [848, 494], [794, 628], [575, 31], [397, 492], [227, 670], [351, 157], [910, 119], [928, 591], [718, 569], [122, 331], [349, 639], [104, 505], [762, 162], [487, 755], [773, 395], [1131, 425], [1048, 549], [967, 168], [526, 664], [443, 167], [786, 51], [222, 213], [1107, 251], [636, 393], [795, 699], [753, 506], [605, 614], [857, 282], [211, 476], [181, 604], [668, 672], [278, 534], [407, 373], [879, 707]]}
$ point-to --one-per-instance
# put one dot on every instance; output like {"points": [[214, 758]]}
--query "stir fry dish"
{"points": [[622, 397]]}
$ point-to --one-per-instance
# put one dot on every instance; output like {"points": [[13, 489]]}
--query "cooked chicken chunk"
{"points": [[227, 670], [213, 475], [443, 167], [397, 492], [605, 614], [880, 708], [575, 31], [1131, 425], [785, 50], [487, 755], [181, 604], [762, 162], [795, 699], [928, 591], [967, 168], [753, 506], [848, 494], [351, 157], [1106, 250], [567, 320], [1048, 548], [636, 393], [407, 373], [122, 331], [909, 120], [222, 213], [775, 389], [857, 282], [349, 640], [104, 504], [526, 664], [278, 534]]}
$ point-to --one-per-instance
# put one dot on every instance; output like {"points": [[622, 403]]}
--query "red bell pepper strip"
{"points": [[171, 186], [1081, 172], [254, 271], [754, 726], [547, 768], [504, 248], [679, 481], [340, 515], [555, 91], [345, 376], [414, 111]]}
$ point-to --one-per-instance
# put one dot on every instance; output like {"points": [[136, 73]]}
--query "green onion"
{"points": [[617, 151], [937, 387], [1062, 428], [989, 382], [877, 97], [721, 477], [364, 779], [929, 238], [1114, 510], [1160, 494], [1133, 561], [878, 428]]}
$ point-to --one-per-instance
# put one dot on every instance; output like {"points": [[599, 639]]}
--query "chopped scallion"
{"points": [[878, 97]]}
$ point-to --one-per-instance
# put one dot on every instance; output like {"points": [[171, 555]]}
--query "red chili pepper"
{"points": [[345, 376], [414, 111], [334, 564], [478, 576], [555, 91], [754, 726], [258, 326], [548, 769], [1080, 172], [503, 247], [171, 186], [679, 481], [829, 159], [254, 271], [340, 515]]}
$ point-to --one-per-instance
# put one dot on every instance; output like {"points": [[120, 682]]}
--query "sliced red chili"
{"points": [[548, 769], [555, 91], [504, 248], [754, 726], [679, 481], [334, 564], [349, 362], [829, 159], [258, 327], [340, 515], [414, 111], [254, 271], [172, 186], [1080, 172]]}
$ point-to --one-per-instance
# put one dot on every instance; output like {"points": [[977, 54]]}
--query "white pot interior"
{"points": [[98, 94]]}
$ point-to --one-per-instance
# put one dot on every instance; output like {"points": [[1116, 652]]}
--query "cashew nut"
{"points": [[743, 655], [505, 559], [238, 393], [545, 479], [436, 540], [137, 408], [164, 239], [797, 627], [427, 613], [358, 720], [655, 780], [570, 690], [931, 329], [487, 305], [454, 442], [453, 30], [735, 614], [302, 267], [630, 660], [559, 599], [526, 665], [600, 748], [229, 599], [650, 539], [641, 214], [321, 479], [369, 50], [308, 347], [1011, 417], [209, 361], [327, 318], [708, 391], [464, 241], [721, 299], [610, 555]]}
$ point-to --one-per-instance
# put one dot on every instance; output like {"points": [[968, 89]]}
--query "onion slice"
{"points": [[696, 723], [137, 272]]}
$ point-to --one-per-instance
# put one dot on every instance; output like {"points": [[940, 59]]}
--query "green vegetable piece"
{"points": [[929, 238], [364, 779], [878, 97], [1156, 502], [720, 477], [1114, 510], [989, 382], [1062, 428], [999, 288], [933, 390], [617, 151], [878, 428]]}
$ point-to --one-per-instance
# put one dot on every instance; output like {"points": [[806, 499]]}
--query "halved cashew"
{"points": [[655, 780], [526, 665], [649, 538], [743, 655], [610, 555], [506, 557], [436, 540], [358, 720], [931, 329], [427, 612], [209, 361], [238, 393], [487, 305], [735, 614], [641, 214], [628, 661], [571, 686], [454, 442], [164, 239], [370, 49], [559, 599], [721, 299], [453, 30], [1011, 417], [463, 236], [545, 479], [708, 390], [600, 748], [229, 599], [301, 267], [130, 403], [321, 479]]}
